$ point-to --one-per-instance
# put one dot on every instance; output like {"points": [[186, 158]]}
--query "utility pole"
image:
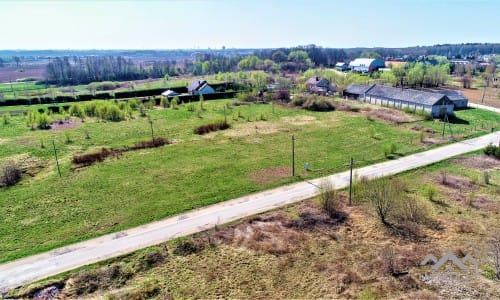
{"points": [[293, 156], [350, 182], [57, 160], [225, 117]]}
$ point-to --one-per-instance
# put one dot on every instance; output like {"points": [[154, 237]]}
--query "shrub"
{"points": [[492, 150], [246, 97], [114, 113], [430, 192], [328, 197], [133, 104], [31, 118], [76, 110], [90, 158], [6, 118], [43, 121], [222, 125], [486, 177], [11, 174], [164, 102], [299, 100], [383, 195], [174, 102], [318, 104], [282, 95], [157, 142]]}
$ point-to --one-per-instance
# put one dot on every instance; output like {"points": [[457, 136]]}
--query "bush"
{"points": [[299, 100], [158, 142], [43, 121], [282, 95], [430, 192], [6, 118], [329, 198], [133, 104], [246, 97], [76, 110], [318, 104], [11, 174], [383, 195], [222, 125], [492, 150]]}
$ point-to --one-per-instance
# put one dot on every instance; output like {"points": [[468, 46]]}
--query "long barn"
{"points": [[436, 104]]}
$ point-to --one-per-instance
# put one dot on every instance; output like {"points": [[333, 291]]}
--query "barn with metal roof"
{"points": [[366, 65], [437, 104]]}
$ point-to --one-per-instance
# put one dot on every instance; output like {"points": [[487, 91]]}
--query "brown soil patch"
{"points": [[392, 115], [481, 161], [301, 120], [457, 183], [270, 175], [423, 128], [491, 97], [65, 125]]}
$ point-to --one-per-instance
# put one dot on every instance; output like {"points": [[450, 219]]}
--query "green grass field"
{"points": [[45, 211], [246, 261]]}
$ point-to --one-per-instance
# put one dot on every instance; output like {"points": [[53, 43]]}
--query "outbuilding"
{"points": [[457, 97], [366, 65], [437, 104]]}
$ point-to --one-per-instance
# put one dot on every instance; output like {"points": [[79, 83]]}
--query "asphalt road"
{"points": [[50, 263], [490, 108]]}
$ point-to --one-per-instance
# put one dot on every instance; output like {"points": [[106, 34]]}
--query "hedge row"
{"points": [[107, 96]]}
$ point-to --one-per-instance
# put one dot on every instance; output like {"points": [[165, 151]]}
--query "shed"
{"points": [[170, 93], [341, 66], [366, 65]]}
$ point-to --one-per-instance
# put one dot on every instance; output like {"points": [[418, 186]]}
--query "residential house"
{"points": [[366, 65], [320, 86], [197, 87]]}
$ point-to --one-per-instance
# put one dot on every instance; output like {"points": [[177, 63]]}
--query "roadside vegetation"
{"points": [[324, 247]]}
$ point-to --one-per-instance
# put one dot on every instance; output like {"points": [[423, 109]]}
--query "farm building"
{"points": [[366, 65], [341, 66], [197, 87], [170, 93], [457, 97], [437, 104], [319, 85], [356, 91]]}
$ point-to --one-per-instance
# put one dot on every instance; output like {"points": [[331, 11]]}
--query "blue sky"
{"points": [[174, 24]]}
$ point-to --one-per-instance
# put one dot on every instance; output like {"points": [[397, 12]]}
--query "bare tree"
{"points": [[383, 194], [494, 252]]}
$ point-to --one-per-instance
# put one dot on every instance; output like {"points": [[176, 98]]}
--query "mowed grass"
{"points": [[46, 211]]}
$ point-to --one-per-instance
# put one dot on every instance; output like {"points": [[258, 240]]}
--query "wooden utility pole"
{"points": [[57, 160], [293, 156], [350, 182]]}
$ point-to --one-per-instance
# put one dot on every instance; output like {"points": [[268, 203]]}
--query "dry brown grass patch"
{"points": [[392, 116], [65, 125], [480, 161]]}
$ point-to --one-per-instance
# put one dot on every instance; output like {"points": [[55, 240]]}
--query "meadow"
{"points": [[45, 211], [300, 252]]}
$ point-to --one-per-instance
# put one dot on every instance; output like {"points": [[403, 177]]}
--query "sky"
{"points": [[201, 24]]}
